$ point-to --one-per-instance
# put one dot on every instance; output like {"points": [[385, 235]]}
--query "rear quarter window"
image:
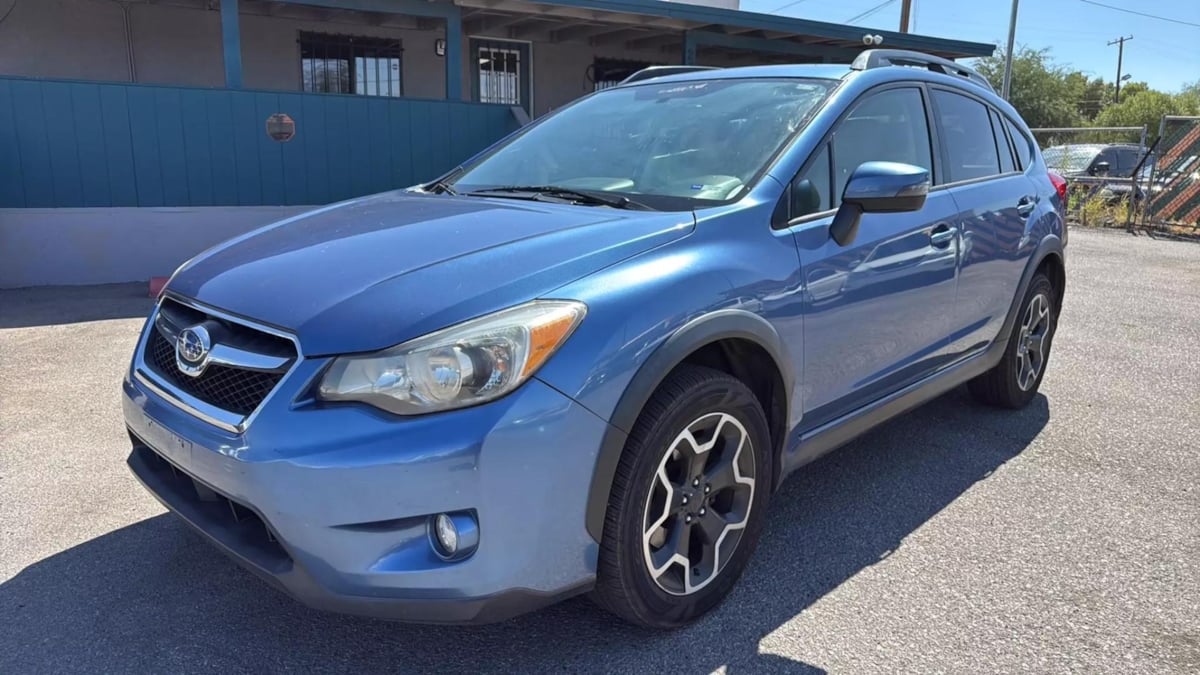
{"points": [[1002, 144], [1021, 143]]}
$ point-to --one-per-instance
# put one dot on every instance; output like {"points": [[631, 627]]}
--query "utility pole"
{"points": [[1008, 56], [905, 10], [1120, 42]]}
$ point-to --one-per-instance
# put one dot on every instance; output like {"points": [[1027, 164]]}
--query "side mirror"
{"points": [[878, 187], [1101, 169]]}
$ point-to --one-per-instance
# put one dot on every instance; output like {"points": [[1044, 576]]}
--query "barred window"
{"points": [[349, 64], [499, 73]]}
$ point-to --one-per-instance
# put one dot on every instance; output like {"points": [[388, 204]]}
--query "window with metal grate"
{"points": [[350, 64]]}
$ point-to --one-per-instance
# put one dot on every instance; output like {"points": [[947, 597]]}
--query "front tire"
{"points": [[1015, 380], [688, 501]]}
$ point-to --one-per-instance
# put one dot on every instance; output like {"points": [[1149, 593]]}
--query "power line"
{"points": [[790, 4], [1148, 16], [10, 11], [871, 11]]}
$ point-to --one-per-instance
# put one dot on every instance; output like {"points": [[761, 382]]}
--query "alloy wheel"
{"points": [[1031, 346], [699, 503]]}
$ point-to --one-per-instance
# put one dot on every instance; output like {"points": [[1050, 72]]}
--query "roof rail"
{"points": [[662, 71], [878, 58]]}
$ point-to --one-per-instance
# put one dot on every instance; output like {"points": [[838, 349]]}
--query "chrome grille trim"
{"points": [[225, 354], [192, 405], [234, 356]]}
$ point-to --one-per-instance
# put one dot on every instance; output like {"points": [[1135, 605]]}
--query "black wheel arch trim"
{"points": [[704, 330], [1051, 245]]}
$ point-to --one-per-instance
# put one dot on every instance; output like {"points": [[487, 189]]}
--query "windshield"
{"points": [[1070, 157], [665, 145]]}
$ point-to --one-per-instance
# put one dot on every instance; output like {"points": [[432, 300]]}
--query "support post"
{"points": [[688, 58], [231, 42], [1006, 86], [1120, 57], [454, 56]]}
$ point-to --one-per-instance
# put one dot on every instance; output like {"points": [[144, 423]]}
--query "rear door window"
{"points": [[968, 143]]}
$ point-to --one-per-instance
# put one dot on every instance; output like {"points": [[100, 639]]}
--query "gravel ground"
{"points": [[1065, 537]]}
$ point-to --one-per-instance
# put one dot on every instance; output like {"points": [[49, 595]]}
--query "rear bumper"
{"points": [[332, 505]]}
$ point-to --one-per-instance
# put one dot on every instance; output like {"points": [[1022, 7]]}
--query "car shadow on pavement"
{"points": [[49, 305], [154, 597]]}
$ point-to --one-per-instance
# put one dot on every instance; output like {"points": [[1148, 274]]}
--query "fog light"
{"points": [[453, 536], [447, 535]]}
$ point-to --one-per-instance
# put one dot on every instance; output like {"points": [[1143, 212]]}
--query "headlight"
{"points": [[463, 365]]}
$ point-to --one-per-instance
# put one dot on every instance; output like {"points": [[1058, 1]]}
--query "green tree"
{"points": [[1130, 89], [1189, 98], [1144, 107], [1042, 90], [1089, 94]]}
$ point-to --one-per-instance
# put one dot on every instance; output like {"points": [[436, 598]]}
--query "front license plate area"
{"points": [[166, 442]]}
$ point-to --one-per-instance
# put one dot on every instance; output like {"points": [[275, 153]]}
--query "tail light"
{"points": [[1060, 186]]}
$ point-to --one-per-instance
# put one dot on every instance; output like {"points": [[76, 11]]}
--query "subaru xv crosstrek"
{"points": [[584, 360]]}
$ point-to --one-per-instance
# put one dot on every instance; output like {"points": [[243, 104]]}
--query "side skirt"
{"points": [[837, 433]]}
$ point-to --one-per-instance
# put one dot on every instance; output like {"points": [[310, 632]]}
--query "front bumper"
{"points": [[332, 504]]}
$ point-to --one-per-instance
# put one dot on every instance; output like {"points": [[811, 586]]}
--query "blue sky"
{"points": [[1164, 54]]}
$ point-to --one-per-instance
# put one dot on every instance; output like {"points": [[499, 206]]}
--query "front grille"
{"points": [[236, 390]]}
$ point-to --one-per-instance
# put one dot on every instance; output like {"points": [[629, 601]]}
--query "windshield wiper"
{"points": [[554, 191], [442, 187]]}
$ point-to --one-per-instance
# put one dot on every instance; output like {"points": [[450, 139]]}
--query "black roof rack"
{"points": [[662, 71], [878, 58]]}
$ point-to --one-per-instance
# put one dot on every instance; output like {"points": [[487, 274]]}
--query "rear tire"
{"points": [[1015, 380], [688, 501]]}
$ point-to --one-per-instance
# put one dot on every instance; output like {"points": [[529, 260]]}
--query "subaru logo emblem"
{"points": [[191, 350]]}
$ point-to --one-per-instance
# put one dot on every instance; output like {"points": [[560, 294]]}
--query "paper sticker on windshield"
{"points": [[681, 90], [699, 187]]}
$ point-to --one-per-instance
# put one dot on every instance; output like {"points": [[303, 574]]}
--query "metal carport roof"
{"points": [[713, 26]]}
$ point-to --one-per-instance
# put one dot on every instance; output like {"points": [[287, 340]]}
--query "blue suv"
{"points": [[585, 359]]}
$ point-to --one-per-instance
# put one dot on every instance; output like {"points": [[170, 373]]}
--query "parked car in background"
{"points": [[585, 359], [1093, 159], [1134, 190]]}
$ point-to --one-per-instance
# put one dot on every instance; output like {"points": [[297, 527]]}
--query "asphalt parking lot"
{"points": [[1065, 537]]}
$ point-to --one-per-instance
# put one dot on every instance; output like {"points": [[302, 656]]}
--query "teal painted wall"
{"points": [[87, 144]]}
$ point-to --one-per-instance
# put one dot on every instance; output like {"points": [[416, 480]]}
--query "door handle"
{"points": [[1027, 204], [941, 236]]}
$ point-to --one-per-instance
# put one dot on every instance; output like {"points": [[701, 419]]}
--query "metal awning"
{"points": [[657, 23]]}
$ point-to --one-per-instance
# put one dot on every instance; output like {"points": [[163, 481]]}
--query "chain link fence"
{"points": [[1172, 184], [1103, 167]]}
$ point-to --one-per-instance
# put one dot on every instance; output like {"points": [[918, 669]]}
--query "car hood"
{"points": [[373, 272]]}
